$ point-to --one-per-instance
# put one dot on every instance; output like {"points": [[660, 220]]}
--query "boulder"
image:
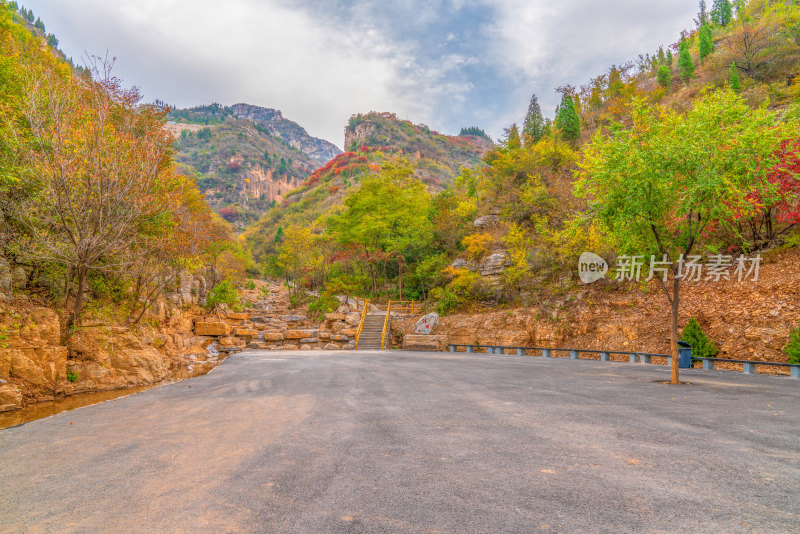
{"points": [[309, 340], [486, 221], [493, 264], [344, 308], [202, 328], [305, 347], [424, 342], [19, 277], [10, 398], [349, 332], [426, 324], [6, 281], [353, 318], [339, 337], [331, 346]]}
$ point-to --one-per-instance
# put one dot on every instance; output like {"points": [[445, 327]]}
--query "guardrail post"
{"points": [[632, 358], [604, 357], [645, 358], [749, 368], [795, 371], [545, 353], [708, 365], [470, 348], [573, 355], [452, 348], [521, 352], [669, 361]]}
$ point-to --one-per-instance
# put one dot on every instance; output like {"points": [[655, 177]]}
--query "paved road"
{"points": [[415, 442]]}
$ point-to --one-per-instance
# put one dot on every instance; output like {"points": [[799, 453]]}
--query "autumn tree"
{"points": [[99, 164], [386, 218], [662, 185]]}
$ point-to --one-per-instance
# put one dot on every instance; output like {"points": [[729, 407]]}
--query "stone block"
{"points": [[300, 334], [331, 346], [292, 318], [335, 316], [273, 336], [339, 337], [424, 342], [245, 332], [202, 328], [240, 316], [324, 336], [349, 332], [10, 398], [309, 340]]}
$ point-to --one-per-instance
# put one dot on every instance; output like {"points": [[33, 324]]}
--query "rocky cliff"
{"points": [[748, 320]]}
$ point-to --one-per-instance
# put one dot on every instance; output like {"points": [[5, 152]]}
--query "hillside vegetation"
{"points": [[244, 158], [688, 150], [94, 216]]}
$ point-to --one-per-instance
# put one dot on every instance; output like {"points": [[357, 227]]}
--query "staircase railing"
{"points": [[409, 306], [364, 314], [386, 325]]}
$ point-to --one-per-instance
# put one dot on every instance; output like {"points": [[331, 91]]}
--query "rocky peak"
{"points": [[318, 150]]}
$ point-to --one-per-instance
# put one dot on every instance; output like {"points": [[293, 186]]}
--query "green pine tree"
{"points": [[685, 63], [722, 12], [702, 346], [792, 348], [733, 78], [664, 76], [533, 128], [278, 235], [567, 120], [706, 44], [669, 58]]}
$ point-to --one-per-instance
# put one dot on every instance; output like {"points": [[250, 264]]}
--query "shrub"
{"points": [[73, 377], [325, 303], [251, 284], [792, 348], [224, 293], [702, 346], [448, 301]]}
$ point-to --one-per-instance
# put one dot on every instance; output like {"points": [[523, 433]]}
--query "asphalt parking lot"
{"points": [[415, 442]]}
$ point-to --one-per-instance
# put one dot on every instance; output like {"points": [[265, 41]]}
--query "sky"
{"points": [[444, 63]]}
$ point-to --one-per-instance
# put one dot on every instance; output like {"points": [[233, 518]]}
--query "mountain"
{"points": [[245, 158], [439, 157], [373, 140]]}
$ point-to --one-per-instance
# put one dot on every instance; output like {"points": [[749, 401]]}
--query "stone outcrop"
{"points": [[424, 342], [426, 323], [493, 264]]}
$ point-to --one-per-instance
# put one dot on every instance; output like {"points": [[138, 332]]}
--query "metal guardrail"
{"points": [[364, 314], [748, 366]]}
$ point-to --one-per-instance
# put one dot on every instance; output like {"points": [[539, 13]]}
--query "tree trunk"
{"points": [[673, 334]]}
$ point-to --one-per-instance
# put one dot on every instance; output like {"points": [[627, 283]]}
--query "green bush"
{"points": [[325, 303], [224, 293], [702, 346], [73, 377], [251, 284], [448, 301], [792, 348]]}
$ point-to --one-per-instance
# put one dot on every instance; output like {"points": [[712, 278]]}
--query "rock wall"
{"points": [[747, 320]]}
